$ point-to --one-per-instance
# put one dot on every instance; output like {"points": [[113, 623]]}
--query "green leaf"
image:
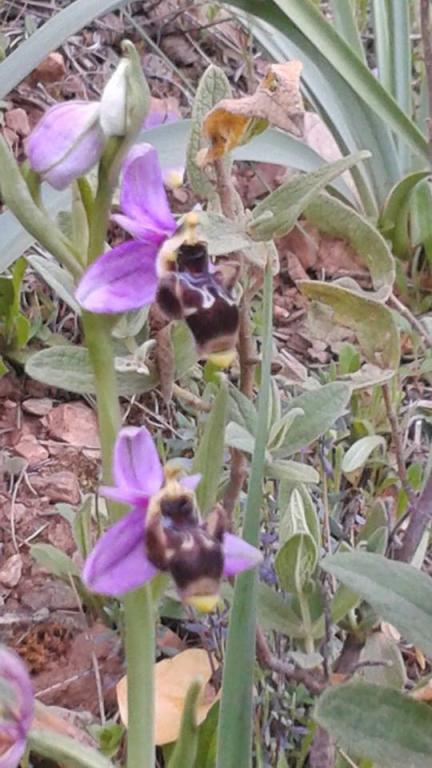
{"points": [[322, 407], [279, 211], [379, 647], [240, 438], [296, 561], [3, 367], [65, 751], [206, 752], [421, 219], [49, 37], [222, 235], [57, 278], [213, 87], [185, 750], [241, 410], [281, 427], [69, 367], [274, 612], [397, 199], [398, 592], [345, 24], [381, 724], [55, 561], [294, 519], [359, 452], [209, 457], [293, 471], [371, 321], [338, 220]]}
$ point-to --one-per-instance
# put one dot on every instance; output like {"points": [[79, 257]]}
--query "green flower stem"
{"points": [[235, 722], [140, 654], [307, 622], [109, 167]]}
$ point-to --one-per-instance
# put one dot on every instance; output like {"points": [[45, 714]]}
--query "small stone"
{"points": [[17, 120], [38, 406], [74, 423], [29, 448], [60, 486], [54, 595], [11, 571], [50, 70]]}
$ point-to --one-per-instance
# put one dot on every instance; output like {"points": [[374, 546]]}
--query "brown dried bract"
{"points": [[277, 101]]}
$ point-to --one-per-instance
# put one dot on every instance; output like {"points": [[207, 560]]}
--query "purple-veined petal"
{"points": [[142, 194], [121, 279], [66, 142], [118, 563], [239, 555], [136, 463], [191, 481]]}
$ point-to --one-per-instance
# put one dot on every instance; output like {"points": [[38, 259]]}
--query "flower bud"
{"points": [[66, 142], [126, 96]]}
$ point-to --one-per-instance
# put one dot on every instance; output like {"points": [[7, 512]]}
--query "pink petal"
{"points": [[140, 229], [66, 142], [136, 464], [118, 562], [239, 555], [142, 194], [11, 758], [14, 672], [121, 279]]}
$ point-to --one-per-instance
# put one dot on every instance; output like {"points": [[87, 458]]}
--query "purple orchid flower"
{"points": [[125, 277], [67, 142], [162, 532], [16, 708]]}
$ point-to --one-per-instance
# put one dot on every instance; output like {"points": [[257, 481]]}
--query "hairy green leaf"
{"points": [[210, 453], [398, 592], [381, 724]]}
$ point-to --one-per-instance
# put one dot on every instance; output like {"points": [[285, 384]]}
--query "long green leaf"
{"points": [[186, 747], [381, 26], [380, 724], [400, 51], [400, 593], [345, 24], [49, 37], [235, 722], [209, 456]]}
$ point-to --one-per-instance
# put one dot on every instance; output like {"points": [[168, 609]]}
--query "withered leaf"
{"points": [[277, 101]]}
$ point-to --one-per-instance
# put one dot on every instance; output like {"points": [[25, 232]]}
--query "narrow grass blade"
{"points": [[345, 24], [235, 720]]}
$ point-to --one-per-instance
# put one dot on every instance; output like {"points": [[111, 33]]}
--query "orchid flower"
{"points": [[163, 531], [162, 263], [16, 708]]}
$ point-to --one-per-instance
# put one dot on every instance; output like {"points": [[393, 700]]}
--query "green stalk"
{"points": [[140, 654], [234, 749], [307, 622]]}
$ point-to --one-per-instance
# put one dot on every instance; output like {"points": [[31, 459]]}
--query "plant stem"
{"points": [[99, 345], [235, 721], [140, 654], [307, 622]]}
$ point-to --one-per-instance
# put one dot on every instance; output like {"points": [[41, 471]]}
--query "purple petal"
{"points": [[13, 755], [124, 496], [239, 555], [14, 672], [66, 142], [140, 229], [136, 463], [191, 481], [142, 194], [158, 116], [118, 562], [121, 279]]}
